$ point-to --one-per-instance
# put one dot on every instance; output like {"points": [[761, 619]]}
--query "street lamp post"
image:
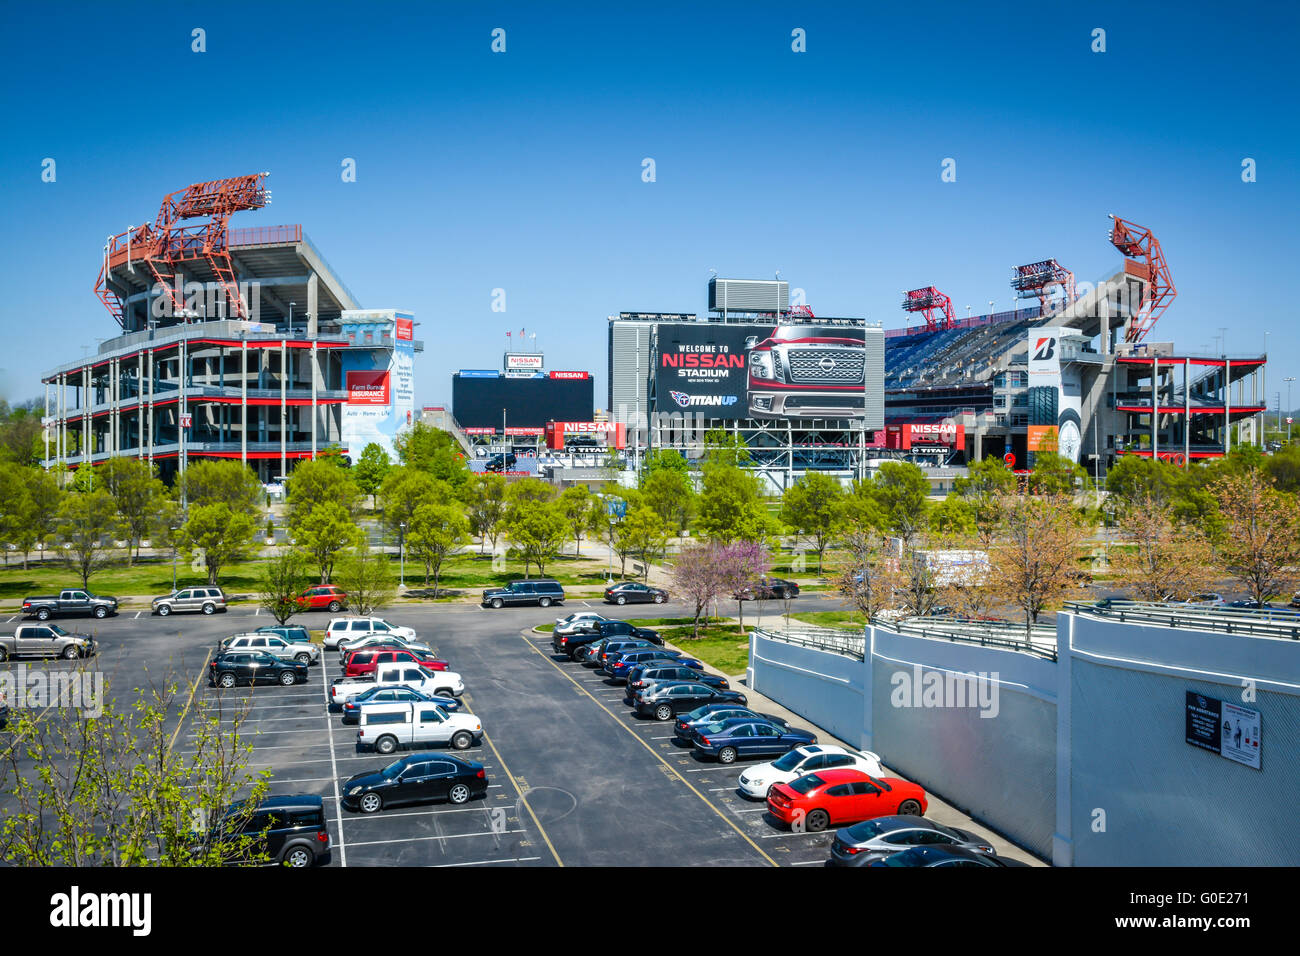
{"points": [[291, 305], [401, 556], [174, 530], [1288, 381]]}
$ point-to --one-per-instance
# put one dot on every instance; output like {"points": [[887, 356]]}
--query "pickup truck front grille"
{"points": [[830, 366]]}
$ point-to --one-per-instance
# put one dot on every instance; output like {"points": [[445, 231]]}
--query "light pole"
{"points": [[1289, 379], [401, 556], [174, 530]]}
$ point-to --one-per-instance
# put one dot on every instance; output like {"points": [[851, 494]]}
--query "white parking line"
{"points": [[12, 618], [338, 804], [256, 611], [137, 614], [447, 836], [518, 859], [774, 836], [585, 604], [417, 813]]}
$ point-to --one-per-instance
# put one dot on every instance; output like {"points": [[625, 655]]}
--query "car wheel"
{"points": [[621, 599], [43, 614], [209, 609], [335, 606], [663, 712], [101, 612], [659, 599], [461, 741], [298, 857], [288, 678], [544, 602], [371, 802], [303, 658], [817, 820], [226, 680], [727, 755], [386, 745], [164, 610], [69, 652], [910, 808], [4, 654], [459, 793], [497, 603]]}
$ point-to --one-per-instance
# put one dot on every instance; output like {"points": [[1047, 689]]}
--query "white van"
{"points": [[385, 727]]}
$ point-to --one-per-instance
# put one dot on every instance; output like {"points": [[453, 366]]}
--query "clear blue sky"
{"points": [[522, 170]]}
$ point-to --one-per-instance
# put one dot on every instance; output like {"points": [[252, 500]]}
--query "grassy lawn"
{"points": [[149, 576], [472, 571], [848, 620], [723, 646]]}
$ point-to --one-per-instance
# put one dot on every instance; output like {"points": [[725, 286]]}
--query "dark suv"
{"points": [[290, 830], [542, 592], [501, 463]]}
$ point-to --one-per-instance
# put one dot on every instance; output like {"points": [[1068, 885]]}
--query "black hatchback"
{"points": [[543, 592], [254, 667]]}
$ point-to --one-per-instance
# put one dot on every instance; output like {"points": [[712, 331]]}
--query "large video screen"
{"points": [[798, 369], [528, 402]]}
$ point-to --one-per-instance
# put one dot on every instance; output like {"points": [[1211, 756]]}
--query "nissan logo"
{"points": [[827, 364]]}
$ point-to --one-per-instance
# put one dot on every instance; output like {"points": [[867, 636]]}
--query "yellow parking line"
{"points": [[524, 800], [655, 753], [194, 689]]}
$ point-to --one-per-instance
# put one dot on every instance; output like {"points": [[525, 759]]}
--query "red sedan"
{"points": [[840, 797], [323, 597], [367, 659]]}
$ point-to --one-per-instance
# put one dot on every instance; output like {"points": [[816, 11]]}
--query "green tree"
{"points": [[731, 506], [371, 469], [367, 577], [404, 490], [814, 507], [537, 529], [669, 491], [136, 491], [20, 434], [900, 491], [1283, 467], [315, 483], [86, 519], [984, 489], [222, 535], [725, 448], [433, 451], [221, 482], [575, 503], [485, 506], [643, 535], [953, 518], [323, 532], [284, 577], [15, 508], [437, 532], [1055, 474]]}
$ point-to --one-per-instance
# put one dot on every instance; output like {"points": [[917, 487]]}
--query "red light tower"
{"points": [[926, 301], [167, 244], [1139, 243], [1040, 279]]}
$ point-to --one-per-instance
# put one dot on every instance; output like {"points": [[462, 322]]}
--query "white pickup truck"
{"points": [[385, 727], [437, 683]]}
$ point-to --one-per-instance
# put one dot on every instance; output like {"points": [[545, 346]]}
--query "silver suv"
{"points": [[272, 644], [209, 600]]}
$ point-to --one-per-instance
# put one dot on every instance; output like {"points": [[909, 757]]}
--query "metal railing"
{"points": [[846, 643], [1270, 622], [1005, 636]]}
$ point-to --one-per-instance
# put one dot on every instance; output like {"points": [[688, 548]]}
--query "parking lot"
{"points": [[574, 776]]}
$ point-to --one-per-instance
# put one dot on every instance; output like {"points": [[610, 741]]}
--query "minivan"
{"points": [[209, 600], [543, 592]]}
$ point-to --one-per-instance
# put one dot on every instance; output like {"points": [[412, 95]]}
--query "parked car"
{"points": [[1207, 599], [416, 778], [841, 797], [71, 602], [617, 666], [942, 856], [543, 592], [613, 647], [290, 632], [341, 629], [367, 659], [757, 781], [1295, 600], [208, 600], [609, 631], [385, 694], [767, 589], [578, 622], [742, 738], [385, 727], [380, 639], [4, 712], [323, 597], [584, 443], [668, 700], [873, 840], [287, 830], [684, 726], [247, 667], [647, 675], [634, 592], [429, 683], [272, 644], [504, 462], [45, 640], [588, 654]]}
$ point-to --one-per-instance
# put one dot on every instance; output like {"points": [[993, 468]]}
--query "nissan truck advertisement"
{"points": [[800, 368]]}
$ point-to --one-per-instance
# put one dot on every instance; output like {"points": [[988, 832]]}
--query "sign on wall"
{"points": [[524, 360], [1224, 728]]}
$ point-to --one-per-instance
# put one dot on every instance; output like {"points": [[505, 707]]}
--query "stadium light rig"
{"points": [[1140, 244], [927, 301], [1041, 280]]}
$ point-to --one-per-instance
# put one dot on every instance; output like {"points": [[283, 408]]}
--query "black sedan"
{"points": [[666, 701], [253, 667], [393, 695], [417, 778], [876, 839], [943, 856], [634, 592], [768, 589], [743, 737]]}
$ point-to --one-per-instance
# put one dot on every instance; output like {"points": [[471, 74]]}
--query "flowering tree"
{"points": [[698, 574], [1261, 545], [742, 563]]}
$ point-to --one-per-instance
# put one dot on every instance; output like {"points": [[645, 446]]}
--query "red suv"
{"points": [[367, 659], [324, 597]]}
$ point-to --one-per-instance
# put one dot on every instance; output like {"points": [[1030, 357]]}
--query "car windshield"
{"points": [[713, 728], [393, 769], [866, 830], [789, 761], [57, 630], [906, 858]]}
